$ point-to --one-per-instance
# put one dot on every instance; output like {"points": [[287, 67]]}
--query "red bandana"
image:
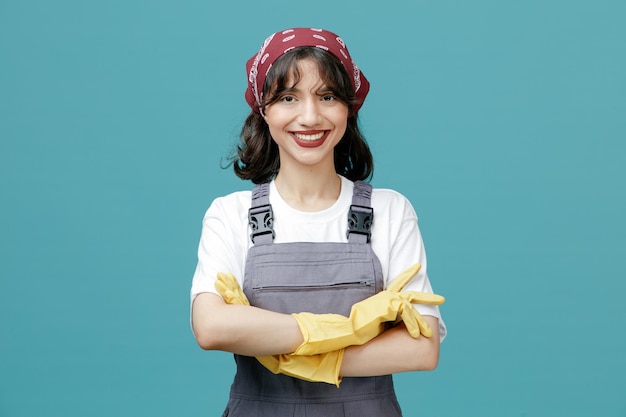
{"points": [[280, 42]]}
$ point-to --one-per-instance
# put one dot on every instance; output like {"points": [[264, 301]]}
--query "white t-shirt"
{"points": [[396, 238]]}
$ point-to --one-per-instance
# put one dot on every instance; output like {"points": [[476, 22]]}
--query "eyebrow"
{"points": [[324, 89], [292, 89]]}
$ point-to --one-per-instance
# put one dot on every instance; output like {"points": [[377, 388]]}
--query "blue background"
{"points": [[503, 122]]}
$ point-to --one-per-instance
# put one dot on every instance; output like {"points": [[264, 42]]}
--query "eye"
{"points": [[287, 99], [328, 97]]}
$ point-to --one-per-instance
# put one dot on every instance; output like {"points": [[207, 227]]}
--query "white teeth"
{"points": [[309, 137]]}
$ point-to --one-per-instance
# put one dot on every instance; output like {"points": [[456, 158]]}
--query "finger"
{"points": [[228, 296], [222, 277], [417, 297], [236, 288], [223, 283], [418, 323], [234, 297], [241, 297], [424, 327], [228, 280], [228, 287], [404, 278], [410, 321], [221, 286]]}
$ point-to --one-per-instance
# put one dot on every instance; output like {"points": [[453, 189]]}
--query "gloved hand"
{"points": [[313, 368], [335, 329], [328, 332], [397, 285], [230, 290]]}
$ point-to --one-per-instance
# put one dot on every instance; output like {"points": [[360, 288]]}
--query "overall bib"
{"points": [[318, 278]]}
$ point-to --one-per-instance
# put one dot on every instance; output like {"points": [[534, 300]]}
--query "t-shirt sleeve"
{"points": [[221, 246], [406, 249]]}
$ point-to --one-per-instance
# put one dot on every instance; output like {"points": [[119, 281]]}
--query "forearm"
{"points": [[392, 352], [242, 329]]}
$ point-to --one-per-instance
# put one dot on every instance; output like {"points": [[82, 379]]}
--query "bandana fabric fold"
{"points": [[277, 44]]}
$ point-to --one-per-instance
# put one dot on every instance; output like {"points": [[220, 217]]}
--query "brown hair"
{"points": [[256, 157]]}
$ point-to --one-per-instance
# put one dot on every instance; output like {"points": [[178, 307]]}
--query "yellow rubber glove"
{"points": [[314, 368], [328, 332], [230, 290], [413, 320], [323, 366]]}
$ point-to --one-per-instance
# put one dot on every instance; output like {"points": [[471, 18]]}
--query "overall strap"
{"points": [[361, 214], [260, 215]]}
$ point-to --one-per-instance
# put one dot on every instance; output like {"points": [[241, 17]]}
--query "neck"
{"points": [[308, 191]]}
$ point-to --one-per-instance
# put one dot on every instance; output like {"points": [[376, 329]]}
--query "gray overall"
{"points": [[318, 278]]}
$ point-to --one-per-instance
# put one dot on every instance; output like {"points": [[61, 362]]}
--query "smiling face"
{"points": [[306, 120]]}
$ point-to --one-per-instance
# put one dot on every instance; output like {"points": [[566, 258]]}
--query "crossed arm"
{"points": [[253, 331]]}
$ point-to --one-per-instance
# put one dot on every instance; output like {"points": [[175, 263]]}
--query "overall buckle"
{"points": [[360, 219], [261, 220]]}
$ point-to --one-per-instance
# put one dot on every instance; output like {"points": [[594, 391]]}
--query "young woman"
{"points": [[296, 277]]}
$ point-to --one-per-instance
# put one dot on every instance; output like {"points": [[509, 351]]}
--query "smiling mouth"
{"points": [[309, 138]]}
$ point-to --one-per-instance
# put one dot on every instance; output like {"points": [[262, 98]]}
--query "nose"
{"points": [[310, 114]]}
